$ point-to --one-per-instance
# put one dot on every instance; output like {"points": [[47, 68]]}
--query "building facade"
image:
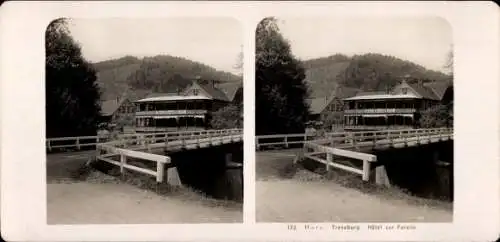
{"points": [[117, 112], [189, 110], [397, 108], [329, 110]]}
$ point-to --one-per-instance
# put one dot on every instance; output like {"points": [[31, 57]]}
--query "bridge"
{"points": [[341, 150], [145, 146]]}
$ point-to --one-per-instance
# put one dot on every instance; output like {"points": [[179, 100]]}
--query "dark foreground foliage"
{"points": [[71, 93], [280, 105]]}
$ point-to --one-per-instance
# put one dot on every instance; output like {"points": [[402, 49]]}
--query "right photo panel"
{"points": [[354, 119]]}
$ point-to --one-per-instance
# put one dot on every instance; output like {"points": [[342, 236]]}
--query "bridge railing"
{"points": [[337, 144], [77, 142], [285, 140], [174, 141], [132, 146], [353, 138], [82, 142], [386, 137], [331, 153], [106, 152]]}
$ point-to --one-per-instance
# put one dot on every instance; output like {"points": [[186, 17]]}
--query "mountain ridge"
{"points": [[137, 77], [366, 72]]}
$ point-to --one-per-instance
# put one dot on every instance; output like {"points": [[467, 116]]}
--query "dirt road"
{"points": [[307, 198], [112, 202]]}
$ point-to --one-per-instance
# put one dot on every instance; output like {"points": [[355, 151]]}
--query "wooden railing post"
{"points": [[78, 143], [257, 146], [166, 141], [329, 160], [48, 145], [160, 168], [374, 139], [286, 141], [366, 170], [123, 161]]}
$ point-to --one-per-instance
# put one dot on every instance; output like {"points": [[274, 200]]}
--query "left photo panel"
{"points": [[144, 121]]}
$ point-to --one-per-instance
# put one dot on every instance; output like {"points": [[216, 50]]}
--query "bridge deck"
{"points": [[331, 151], [188, 144], [140, 147], [394, 143]]}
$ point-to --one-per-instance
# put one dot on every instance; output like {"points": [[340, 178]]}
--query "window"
{"points": [[404, 90], [196, 92]]}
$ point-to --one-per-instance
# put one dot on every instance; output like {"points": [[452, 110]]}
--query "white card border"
{"points": [[23, 204]]}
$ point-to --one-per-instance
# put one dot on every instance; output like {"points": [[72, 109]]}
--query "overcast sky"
{"points": [[212, 41], [424, 41]]}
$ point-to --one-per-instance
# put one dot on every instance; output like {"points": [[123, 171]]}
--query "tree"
{"points": [[280, 89], [437, 116], [239, 63], [72, 95], [449, 61], [228, 117]]}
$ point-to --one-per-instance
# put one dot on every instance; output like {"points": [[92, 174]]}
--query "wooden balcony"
{"points": [[380, 111], [376, 127], [171, 112], [166, 129]]}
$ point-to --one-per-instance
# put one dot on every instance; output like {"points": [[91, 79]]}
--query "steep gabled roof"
{"points": [[345, 92], [213, 92], [229, 88], [424, 91], [109, 107], [438, 88], [317, 105]]}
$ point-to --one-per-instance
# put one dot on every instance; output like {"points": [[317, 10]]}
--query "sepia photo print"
{"points": [[144, 121], [354, 119]]}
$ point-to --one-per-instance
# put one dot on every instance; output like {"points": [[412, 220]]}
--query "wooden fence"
{"points": [[336, 152], [349, 145], [139, 146], [81, 142], [358, 139], [111, 151]]}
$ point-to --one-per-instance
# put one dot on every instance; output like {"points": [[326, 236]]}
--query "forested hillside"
{"points": [[163, 73], [368, 72]]}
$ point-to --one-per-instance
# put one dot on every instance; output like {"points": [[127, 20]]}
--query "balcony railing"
{"points": [[166, 129], [376, 127], [381, 111], [170, 112]]}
